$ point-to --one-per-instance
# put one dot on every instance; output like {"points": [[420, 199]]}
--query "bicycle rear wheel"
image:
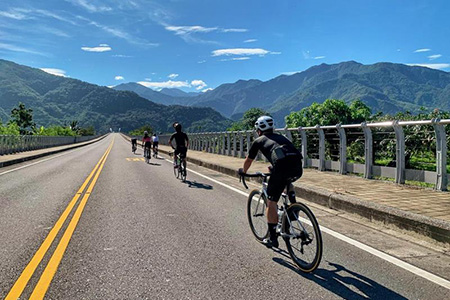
{"points": [[183, 171], [256, 213], [303, 239]]}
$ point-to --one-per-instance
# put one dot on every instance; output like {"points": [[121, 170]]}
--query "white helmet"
{"points": [[264, 123]]}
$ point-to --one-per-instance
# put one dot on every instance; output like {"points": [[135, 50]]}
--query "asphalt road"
{"points": [[143, 234]]}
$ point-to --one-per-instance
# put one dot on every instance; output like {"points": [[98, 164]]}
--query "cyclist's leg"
{"points": [[175, 155], [275, 187]]}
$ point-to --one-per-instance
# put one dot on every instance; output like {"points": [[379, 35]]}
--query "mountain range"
{"points": [[385, 87], [57, 100]]}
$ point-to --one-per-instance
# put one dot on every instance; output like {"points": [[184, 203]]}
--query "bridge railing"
{"points": [[370, 137], [10, 144]]}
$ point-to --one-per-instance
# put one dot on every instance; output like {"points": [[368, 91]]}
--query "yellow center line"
{"points": [[52, 266], [29, 270]]}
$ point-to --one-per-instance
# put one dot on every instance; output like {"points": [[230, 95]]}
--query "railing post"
{"points": [[287, 133], [241, 145], [321, 148], [249, 145], [342, 150], [441, 156], [234, 143], [228, 143], [368, 151], [304, 146], [400, 153], [222, 150]]}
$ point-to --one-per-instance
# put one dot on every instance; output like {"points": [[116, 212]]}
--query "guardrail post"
{"points": [[400, 153], [249, 145], [304, 146], [287, 133], [342, 150], [234, 133], [321, 148], [228, 143], [241, 145], [368, 151], [441, 156]]}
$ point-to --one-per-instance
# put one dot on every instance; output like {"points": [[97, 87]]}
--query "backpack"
{"points": [[282, 151]]}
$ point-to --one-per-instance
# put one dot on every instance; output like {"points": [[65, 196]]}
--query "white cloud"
{"points": [[121, 55], [100, 48], [89, 6], [147, 79], [110, 86], [182, 30], [199, 84], [250, 41], [290, 73], [431, 57], [235, 30], [12, 14], [319, 57], [119, 77], [240, 51], [432, 66], [166, 84], [173, 76], [236, 58], [57, 72], [201, 62], [13, 48], [207, 90], [422, 50]]}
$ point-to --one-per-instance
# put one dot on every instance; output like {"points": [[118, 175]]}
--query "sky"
{"points": [[198, 45]]}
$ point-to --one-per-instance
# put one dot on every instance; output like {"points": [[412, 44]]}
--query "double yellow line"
{"points": [[50, 270]]}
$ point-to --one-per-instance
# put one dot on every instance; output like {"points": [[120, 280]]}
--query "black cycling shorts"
{"points": [[155, 144], [285, 171], [147, 144], [182, 151]]}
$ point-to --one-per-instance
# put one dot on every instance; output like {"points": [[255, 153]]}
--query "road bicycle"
{"points": [[297, 225], [179, 169], [147, 154]]}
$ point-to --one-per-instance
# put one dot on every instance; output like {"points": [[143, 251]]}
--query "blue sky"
{"points": [[198, 45]]}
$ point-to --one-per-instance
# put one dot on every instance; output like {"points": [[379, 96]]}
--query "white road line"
{"points": [[400, 263], [41, 161]]}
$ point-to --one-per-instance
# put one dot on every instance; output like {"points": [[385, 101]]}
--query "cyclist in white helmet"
{"points": [[286, 163]]}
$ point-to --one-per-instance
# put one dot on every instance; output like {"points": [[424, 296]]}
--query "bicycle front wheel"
{"points": [[256, 213], [302, 235]]}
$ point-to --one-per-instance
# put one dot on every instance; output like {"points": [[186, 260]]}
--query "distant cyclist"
{"points": [[146, 143], [155, 140], [286, 163], [133, 145], [181, 141]]}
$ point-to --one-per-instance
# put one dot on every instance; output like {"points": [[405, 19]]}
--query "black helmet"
{"points": [[177, 126]]}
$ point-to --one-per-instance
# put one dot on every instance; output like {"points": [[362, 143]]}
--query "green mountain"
{"points": [[57, 100], [385, 87]]}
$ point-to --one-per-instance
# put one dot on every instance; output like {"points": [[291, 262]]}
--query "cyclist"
{"points": [[181, 141], [155, 140], [133, 145], [146, 143], [286, 163]]}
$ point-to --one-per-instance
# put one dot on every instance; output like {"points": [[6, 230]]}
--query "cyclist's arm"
{"points": [[247, 163]]}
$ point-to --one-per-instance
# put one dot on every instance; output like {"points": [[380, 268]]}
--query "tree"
{"points": [[247, 122], [140, 131], [23, 117]]}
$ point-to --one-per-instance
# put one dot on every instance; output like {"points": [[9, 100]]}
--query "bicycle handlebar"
{"points": [[257, 174]]}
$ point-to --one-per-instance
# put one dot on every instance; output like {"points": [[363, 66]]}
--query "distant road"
{"points": [[135, 232]]}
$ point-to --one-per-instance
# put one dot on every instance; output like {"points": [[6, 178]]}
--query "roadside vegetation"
{"points": [[21, 123]]}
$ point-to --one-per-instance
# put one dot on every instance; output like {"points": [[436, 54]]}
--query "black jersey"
{"points": [[180, 139], [266, 143]]}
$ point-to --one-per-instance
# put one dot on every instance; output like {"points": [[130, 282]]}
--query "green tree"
{"points": [[140, 131], [85, 131], [23, 117], [9, 129], [247, 122]]}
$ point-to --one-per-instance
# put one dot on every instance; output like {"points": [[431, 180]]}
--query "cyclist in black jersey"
{"points": [[286, 163], [181, 142]]}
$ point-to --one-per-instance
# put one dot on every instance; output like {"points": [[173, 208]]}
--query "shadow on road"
{"points": [[154, 164], [198, 185], [344, 282]]}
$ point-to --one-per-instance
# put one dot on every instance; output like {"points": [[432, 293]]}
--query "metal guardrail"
{"points": [[237, 143], [10, 144]]}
